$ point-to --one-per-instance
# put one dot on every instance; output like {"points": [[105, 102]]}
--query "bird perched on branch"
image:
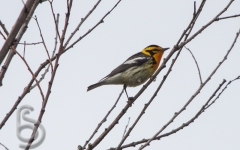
{"points": [[135, 70]]}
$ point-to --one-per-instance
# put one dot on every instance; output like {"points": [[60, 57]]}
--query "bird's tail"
{"points": [[95, 86]]}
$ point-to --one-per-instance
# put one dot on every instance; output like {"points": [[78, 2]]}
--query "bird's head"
{"points": [[156, 52], [151, 50]]}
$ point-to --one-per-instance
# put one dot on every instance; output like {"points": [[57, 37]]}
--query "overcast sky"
{"points": [[72, 114]]}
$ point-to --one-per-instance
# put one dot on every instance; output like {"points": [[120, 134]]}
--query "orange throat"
{"points": [[157, 58]]}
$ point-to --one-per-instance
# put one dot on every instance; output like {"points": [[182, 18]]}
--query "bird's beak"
{"points": [[164, 49]]}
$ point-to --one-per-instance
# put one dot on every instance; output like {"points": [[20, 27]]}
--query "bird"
{"points": [[136, 70]]}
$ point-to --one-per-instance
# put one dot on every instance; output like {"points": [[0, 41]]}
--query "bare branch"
{"points": [[20, 21], [69, 6], [192, 22], [163, 65], [30, 70], [188, 31], [199, 73], [194, 9], [26, 89], [133, 144], [35, 18], [126, 127], [149, 102], [103, 120], [193, 96], [4, 146], [81, 22], [233, 16], [3, 35], [3, 27], [19, 36], [55, 20], [237, 78], [30, 43], [24, 48], [208, 24], [53, 53], [24, 93], [90, 30]]}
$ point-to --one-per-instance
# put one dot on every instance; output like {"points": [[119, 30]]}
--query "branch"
{"points": [[90, 30], [199, 73], [55, 20], [4, 146], [195, 94], [237, 78], [81, 22], [188, 31], [19, 22], [208, 24], [126, 127], [27, 89], [233, 16], [53, 53], [69, 6], [19, 36], [133, 144], [30, 70], [3, 35], [44, 44], [3, 27], [103, 120], [163, 65], [35, 43]]}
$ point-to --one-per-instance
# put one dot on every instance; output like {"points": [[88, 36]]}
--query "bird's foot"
{"points": [[130, 98], [130, 101]]}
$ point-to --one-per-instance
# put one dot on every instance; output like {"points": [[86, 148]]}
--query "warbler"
{"points": [[135, 70]]}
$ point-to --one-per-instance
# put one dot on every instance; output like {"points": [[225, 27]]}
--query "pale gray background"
{"points": [[72, 113]]}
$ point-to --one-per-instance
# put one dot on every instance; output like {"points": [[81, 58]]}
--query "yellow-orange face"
{"points": [[156, 52]]}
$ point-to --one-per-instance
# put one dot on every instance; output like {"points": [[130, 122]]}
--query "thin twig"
{"points": [[207, 25], [90, 30], [23, 3], [192, 22], [103, 120], [35, 43], [199, 73], [3, 27], [4, 146], [24, 48], [81, 22], [126, 127], [194, 8], [233, 16], [55, 20], [237, 78], [3, 35], [44, 44]]}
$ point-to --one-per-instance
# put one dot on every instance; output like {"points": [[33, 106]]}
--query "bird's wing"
{"points": [[135, 60]]}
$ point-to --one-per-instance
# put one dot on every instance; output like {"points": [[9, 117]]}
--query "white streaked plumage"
{"points": [[133, 61]]}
